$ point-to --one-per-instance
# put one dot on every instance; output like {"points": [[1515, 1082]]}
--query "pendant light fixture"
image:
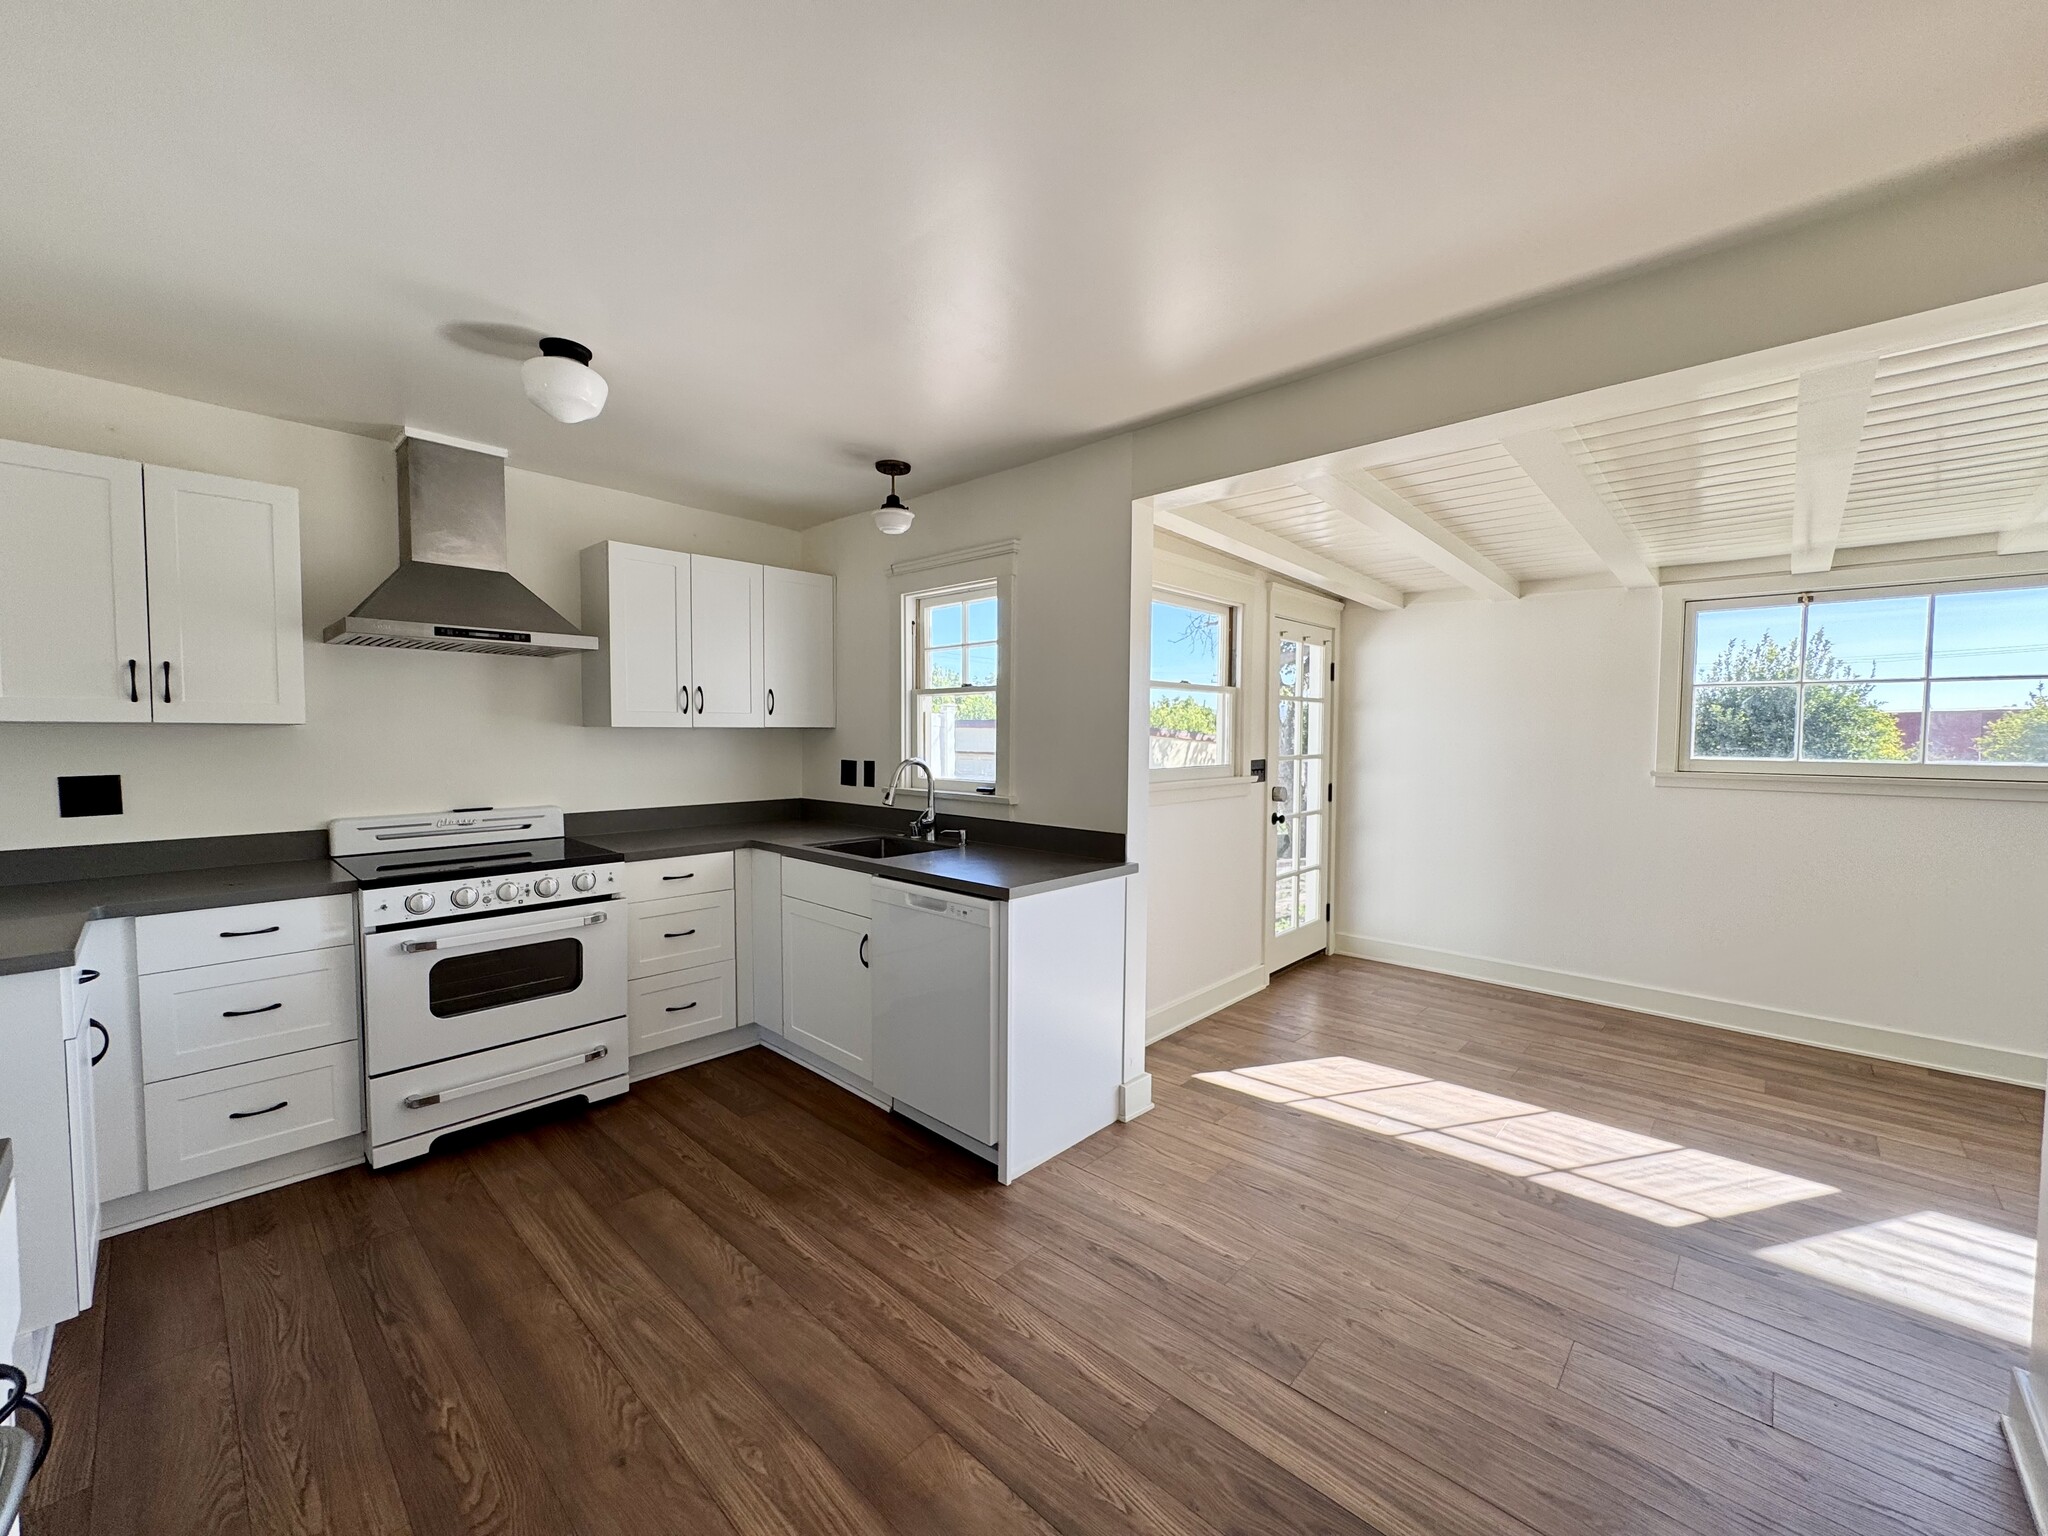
{"points": [[561, 381], [892, 516]]}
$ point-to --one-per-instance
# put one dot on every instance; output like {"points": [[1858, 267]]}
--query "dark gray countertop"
{"points": [[40, 923]]}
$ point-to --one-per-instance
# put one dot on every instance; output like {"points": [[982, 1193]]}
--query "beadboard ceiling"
{"points": [[801, 236]]}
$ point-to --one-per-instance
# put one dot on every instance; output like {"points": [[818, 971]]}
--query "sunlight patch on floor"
{"points": [[1944, 1266], [1658, 1181]]}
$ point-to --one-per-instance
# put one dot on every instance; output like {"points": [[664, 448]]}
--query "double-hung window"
{"points": [[956, 665], [1925, 682], [1193, 686]]}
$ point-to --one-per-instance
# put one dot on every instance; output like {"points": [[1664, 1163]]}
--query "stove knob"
{"points": [[546, 885], [587, 881], [508, 892], [420, 901], [463, 896]]}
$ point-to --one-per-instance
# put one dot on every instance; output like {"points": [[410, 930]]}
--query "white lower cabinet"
{"points": [[826, 1004], [45, 1108], [680, 1006], [233, 1116], [114, 1040], [222, 1015], [682, 951]]}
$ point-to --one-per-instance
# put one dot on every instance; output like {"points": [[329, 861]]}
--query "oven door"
{"points": [[447, 989]]}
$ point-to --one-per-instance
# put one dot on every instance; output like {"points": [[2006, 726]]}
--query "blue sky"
{"points": [[1999, 633], [1176, 658]]}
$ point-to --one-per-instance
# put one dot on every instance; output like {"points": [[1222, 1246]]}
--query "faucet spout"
{"points": [[925, 823]]}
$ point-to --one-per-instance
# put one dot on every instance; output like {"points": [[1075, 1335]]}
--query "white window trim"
{"points": [[1675, 767], [1232, 766], [913, 580]]}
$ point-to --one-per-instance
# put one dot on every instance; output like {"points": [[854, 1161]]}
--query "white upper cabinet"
{"points": [[725, 643], [637, 602], [691, 640], [74, 621], [797, 646], [226, 643], [137, 593]]}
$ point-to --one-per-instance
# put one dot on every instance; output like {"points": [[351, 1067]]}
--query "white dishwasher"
{"points": [[933, 962]]}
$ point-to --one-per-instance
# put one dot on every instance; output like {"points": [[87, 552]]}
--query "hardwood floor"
{"points": [[741, 1301]]}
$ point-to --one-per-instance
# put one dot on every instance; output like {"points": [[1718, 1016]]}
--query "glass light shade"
{"points": [[567, 390], [892, 516]]}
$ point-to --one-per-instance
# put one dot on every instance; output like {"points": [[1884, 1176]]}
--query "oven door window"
{"points": [[498, 978]]}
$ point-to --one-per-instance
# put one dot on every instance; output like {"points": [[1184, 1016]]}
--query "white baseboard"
{"points": [[154, 1205], [2024, 1437], [1168, 1018], [1134, 1097], [831, 1071], [1744, 1018], [670, 1058]]}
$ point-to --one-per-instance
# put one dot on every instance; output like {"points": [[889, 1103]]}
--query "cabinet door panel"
{"points": [[74, 625], [115, 1038], [649, 636], [825, 995], [725, 642], [226, 640], [797, 646]]}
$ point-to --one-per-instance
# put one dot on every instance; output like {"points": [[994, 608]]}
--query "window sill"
{"points": [[1857, 784], [1200, 788], [974, 795]]}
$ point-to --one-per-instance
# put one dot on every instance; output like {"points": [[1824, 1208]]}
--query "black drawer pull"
{"points": [[88, 975], [243, 1013], [683, 935], [251, 1114], [246, 933], [106, 1041], [691, 876], [682, 1008]]}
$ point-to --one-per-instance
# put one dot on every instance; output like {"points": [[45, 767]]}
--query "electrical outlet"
{"points": [[867, 773], [89, 794], [847, 771]]}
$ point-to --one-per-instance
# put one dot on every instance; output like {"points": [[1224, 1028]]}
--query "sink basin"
{"points": [[882, 847]]}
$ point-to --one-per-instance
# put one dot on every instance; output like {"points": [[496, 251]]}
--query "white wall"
{"points": [[1071, 633], [386, 730], [1501, 814]]}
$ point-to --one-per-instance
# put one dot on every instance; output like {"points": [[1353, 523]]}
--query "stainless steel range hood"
{"points": [[452, 590]]}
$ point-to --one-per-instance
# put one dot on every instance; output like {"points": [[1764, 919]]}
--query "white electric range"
{"points": [[493, 952]]}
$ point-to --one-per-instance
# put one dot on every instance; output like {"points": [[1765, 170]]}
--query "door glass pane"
{"points": [[956, 734], [1289, 665], [1314, 714], [1991, 634], [1755, 720], [1285, 918], [497, 978], [1744, 645], [1861, 722], [1309, 833], [1867, 637], [1314, 670], [1989, 722], [1283, 847], [1308, 898]]}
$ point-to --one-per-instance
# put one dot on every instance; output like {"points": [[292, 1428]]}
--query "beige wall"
{"points": [[386, 730], [1071, 518]]}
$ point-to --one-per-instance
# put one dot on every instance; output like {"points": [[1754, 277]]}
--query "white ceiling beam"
{"points": [[2029, 535], [1832, 404], [1228, 535], [1547, 459], [1377, 506]]}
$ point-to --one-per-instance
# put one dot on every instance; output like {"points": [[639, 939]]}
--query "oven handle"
{"points": [[484, 1085], [420, 946]]}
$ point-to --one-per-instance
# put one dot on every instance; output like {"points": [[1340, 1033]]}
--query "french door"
{"points": [[1298, 830]]}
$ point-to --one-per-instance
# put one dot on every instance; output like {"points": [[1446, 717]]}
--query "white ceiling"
{"points": [[799, 236]]}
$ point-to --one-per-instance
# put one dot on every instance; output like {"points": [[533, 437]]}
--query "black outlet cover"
{"points": [[867, 772], [89, 794], [847, 771]]}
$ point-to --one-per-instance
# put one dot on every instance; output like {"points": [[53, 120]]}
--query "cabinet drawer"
{"points": [[176, 941], [682, 1005], [661, 879], [844, 890], [235, 1116], [678, 935], [483, 1083], [220, 1015]]}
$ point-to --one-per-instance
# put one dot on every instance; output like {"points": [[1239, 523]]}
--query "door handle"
{"points": [[167, 682], [251, 1114], [771, 701], [864, 952], [134, 694], [106, 1041], [505, 1080], [700, 699], [422, 946], [686, 698], [243, 1013], [1279, 818]]}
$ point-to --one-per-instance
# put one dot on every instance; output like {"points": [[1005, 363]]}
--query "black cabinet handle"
{"points": [[134, 693], [700, 701], [243, 1013], [682, 1008], [686, 698], [106, 1041], [246, 933], [771, 701], [679, 877], [88, 975], [683, 935], [251, 1114], [167, 682], [863, 951]]}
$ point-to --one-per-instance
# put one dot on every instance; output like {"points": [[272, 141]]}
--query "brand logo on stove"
{"points": [[456, 823]]}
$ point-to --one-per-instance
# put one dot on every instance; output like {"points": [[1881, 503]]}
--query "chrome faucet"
{"points": [[926, 823]]}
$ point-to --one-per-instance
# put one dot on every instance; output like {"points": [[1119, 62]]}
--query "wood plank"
{"points": [[170, 1452]]}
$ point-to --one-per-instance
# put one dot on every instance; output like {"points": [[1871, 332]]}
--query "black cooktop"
{"points": [[422, 866]]}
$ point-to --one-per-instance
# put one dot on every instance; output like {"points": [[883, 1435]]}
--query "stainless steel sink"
{"points": [[882, 847]]}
